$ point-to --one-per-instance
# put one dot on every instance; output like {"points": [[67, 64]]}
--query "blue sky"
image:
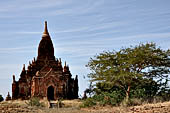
{"points": [[79, 29]]}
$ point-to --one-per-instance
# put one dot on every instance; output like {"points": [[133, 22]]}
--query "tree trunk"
{"points": [[127, 94]]}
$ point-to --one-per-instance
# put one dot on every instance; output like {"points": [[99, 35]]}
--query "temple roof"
{"points": [[46, 49]]}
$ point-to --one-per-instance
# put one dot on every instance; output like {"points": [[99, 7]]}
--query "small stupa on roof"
{"points": [[8, 97]]}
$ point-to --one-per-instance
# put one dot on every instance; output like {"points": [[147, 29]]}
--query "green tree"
{"points": [[1, 98], [129, 67]]}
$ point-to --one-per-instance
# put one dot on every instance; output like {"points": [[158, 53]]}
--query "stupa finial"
{"points": [[45, 29]]}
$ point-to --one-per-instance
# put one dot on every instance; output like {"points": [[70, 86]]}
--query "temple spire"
{"points": [[45, 29], [65, 64], [13, 78], [23, 67], [46, 48]]}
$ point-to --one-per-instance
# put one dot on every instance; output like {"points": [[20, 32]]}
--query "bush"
{"points": [[88, 102], [1, 98], [134, 102], [35, 101], [104, 98]]}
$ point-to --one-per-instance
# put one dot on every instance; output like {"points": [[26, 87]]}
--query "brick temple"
{"points": [[45, 77]]}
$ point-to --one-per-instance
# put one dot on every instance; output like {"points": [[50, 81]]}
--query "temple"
{"points": [[45, 77]]}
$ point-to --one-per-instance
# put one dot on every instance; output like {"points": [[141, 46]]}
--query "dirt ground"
{"points": [[22, 107]]}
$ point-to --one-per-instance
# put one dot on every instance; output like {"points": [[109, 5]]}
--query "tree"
{"points": [[1, 98], [130, 67]]}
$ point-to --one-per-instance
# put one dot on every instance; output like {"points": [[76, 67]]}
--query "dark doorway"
{"points": [[50, 93]]}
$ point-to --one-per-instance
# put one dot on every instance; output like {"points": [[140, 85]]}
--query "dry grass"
{"points": [[71, 106], [72, 103]]}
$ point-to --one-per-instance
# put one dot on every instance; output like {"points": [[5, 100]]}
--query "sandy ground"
{"points": [[72, 107]]}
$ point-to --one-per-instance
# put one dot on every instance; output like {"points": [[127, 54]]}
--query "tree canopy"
{"points": [[130, 67]]}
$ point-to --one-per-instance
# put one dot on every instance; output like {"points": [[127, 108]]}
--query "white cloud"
{"points": [[71, 30], [143, 36], [84, 29], [85, 49], [27, 32], [17, 49], [18, 5], [84, 7]]}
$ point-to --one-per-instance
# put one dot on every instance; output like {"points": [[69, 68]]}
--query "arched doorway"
{"points": [[50, 93]]}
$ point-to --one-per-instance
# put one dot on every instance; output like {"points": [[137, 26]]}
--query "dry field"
{"points": [[73, 107]]}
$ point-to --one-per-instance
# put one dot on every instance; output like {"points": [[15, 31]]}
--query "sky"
{"points": [[79, 29]]}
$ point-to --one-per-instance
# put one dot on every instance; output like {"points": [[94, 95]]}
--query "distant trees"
{"points": [[138, 71], [1, 98]]}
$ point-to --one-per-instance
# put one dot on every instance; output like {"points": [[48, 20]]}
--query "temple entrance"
{"points": [[50, 93]]}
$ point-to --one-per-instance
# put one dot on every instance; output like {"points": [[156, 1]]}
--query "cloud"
{"points": [[79, 8], [27, 32], [99, 41], [18, 5], [143, 36], [85, 49], [17, 49], [92, 29], [71, 30], [43, 8], [22, 8]]}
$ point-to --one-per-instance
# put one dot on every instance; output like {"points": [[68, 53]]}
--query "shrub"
{"points": [[134, 102], [35, 101], [1, 98], [104, 98], [60, 104], [88, 102]]}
